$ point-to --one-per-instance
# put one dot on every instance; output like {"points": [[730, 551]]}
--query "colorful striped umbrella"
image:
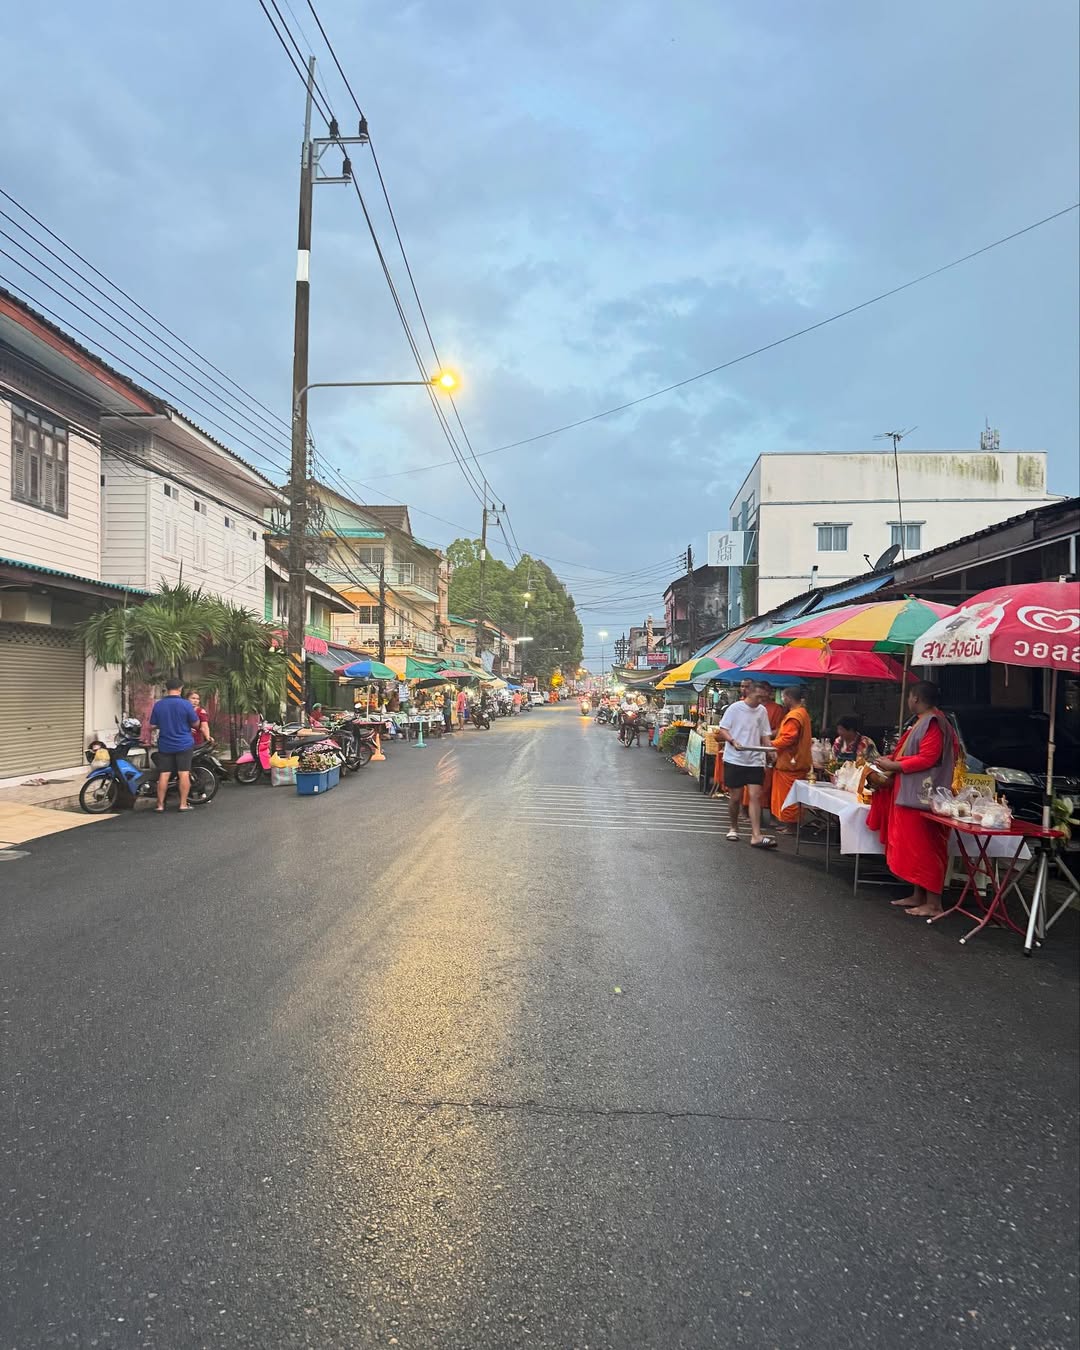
{"points": [[885, 626], [692, 670], [366, 670], [826, 664]]}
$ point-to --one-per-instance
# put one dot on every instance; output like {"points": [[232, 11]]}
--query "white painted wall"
{"points": [[951, 494], [102, 701], [125, 505], [153, 531], [27, 534]]}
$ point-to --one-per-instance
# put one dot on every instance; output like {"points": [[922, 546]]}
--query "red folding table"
{"points": [[992, 906]]}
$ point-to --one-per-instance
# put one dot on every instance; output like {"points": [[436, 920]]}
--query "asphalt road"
{"points": [[503, 1044]]}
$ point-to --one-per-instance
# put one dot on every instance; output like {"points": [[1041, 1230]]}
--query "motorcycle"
{"points": [[633, 723], [585, 707], [132, 772], [480, 718], [270, 739], [603, 715]]}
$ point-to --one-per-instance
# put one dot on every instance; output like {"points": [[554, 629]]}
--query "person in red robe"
{"points": [[916, 850]]}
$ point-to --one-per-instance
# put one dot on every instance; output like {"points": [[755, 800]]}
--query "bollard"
{"points": [[420, 743], [378, 757]]}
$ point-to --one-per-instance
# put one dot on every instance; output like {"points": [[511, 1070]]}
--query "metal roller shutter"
{"points": [[42, 688]]}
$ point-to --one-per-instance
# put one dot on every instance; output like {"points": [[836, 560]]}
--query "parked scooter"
{"points": [[132, 772], [270, 739], [480, 718]]}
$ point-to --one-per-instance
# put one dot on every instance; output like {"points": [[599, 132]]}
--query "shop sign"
{"points": [[693, 754], [727, 548]]}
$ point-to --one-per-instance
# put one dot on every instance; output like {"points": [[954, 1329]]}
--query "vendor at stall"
{"points": [[916, 850], [794, 759], [850, 744]]}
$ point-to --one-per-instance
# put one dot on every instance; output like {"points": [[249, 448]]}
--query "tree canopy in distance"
{"points": [[553, 623]]}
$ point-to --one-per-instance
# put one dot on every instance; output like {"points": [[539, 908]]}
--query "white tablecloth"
{"points": [[855, 834]]}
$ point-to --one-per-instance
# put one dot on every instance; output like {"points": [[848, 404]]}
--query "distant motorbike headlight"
{"points": [[1012, 777]]}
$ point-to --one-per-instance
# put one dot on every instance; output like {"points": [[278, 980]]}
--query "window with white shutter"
{"points": [[39, 461], [199, 527], [170, 533]]}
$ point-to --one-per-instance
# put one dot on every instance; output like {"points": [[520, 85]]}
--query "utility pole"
{"points": [[298, 516], [480, 597], [382, 612], [525, 618], [310, 155], [690, 599]]}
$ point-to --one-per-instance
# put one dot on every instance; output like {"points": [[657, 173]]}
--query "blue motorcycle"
{"points": [[132, 772]]}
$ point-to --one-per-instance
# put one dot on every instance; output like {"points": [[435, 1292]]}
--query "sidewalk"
{"points": [[31, 811]]}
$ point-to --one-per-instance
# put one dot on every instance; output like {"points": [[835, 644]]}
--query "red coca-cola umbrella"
{"points": [[1036, 624]]}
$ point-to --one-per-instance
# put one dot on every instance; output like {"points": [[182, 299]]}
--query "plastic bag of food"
{"points": [[942, 802]]}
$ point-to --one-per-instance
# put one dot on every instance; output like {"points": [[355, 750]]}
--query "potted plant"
{"points": [[317, 771]]}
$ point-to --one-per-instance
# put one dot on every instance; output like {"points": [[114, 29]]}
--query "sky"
{"points": [[597, 201]]}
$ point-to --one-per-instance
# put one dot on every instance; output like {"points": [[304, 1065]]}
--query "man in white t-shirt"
{"points": [[746, 734]]}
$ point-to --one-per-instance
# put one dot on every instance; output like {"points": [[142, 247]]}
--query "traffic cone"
{"points": [[378, 757], [420, 742]]}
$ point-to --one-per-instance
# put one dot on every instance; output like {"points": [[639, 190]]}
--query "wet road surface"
{"points": [[503, 1044]]}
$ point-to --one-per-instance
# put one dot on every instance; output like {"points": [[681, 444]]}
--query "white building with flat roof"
{"points": [[817, 518]]}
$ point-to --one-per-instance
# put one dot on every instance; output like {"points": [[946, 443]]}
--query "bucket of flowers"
{"points": [[317, 769]]}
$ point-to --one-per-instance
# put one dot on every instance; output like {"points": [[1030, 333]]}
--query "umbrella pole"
{"points": [[825, 705], [903, 692], [1048, 794]]}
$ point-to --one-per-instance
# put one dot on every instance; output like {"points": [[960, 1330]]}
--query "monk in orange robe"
{"points": [[793, 754], [916, 850], [775, 714]]}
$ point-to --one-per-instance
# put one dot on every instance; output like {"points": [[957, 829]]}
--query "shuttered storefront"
{"points": [[42, 688]]}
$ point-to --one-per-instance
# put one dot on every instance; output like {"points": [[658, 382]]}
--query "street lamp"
{"points": [[443, 380], [602, 635]]}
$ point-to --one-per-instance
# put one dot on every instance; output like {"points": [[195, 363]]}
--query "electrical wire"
{"points": [[128, 365], [756, 351], [477, 485], [244, 394], [188, 364], [208, 397]]}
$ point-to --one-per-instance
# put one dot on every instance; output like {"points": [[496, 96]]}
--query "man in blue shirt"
{"points": [[175, 720]]}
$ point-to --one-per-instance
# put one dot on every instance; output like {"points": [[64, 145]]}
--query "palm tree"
{"points": [[247, 674], [156, 638]]}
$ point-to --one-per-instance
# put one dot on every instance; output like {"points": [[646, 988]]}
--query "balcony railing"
{"points": [[398, 638], [409, 574]]}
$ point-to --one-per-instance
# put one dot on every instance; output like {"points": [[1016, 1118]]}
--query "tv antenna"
{"points": [[990, 439], [896, 437]]}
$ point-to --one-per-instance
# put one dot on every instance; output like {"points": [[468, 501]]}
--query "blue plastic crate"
{"points": [[311, 784]]}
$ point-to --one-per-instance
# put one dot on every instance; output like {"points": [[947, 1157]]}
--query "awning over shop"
{"points": [[858, 589], [332, 659]]}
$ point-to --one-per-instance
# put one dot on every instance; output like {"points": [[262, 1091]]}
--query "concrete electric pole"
{"points": [[310, 155]]}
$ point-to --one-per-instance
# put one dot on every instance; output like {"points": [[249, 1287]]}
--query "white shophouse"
{"points": [[815, 519]]}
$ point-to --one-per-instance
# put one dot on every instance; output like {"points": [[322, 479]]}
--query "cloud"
{"points": [[595, 203]]}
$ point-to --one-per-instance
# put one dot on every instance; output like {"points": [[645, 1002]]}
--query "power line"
{"points": [[208, 397], [479, 485], [124, 362], [757, 351], [249, 398]]}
